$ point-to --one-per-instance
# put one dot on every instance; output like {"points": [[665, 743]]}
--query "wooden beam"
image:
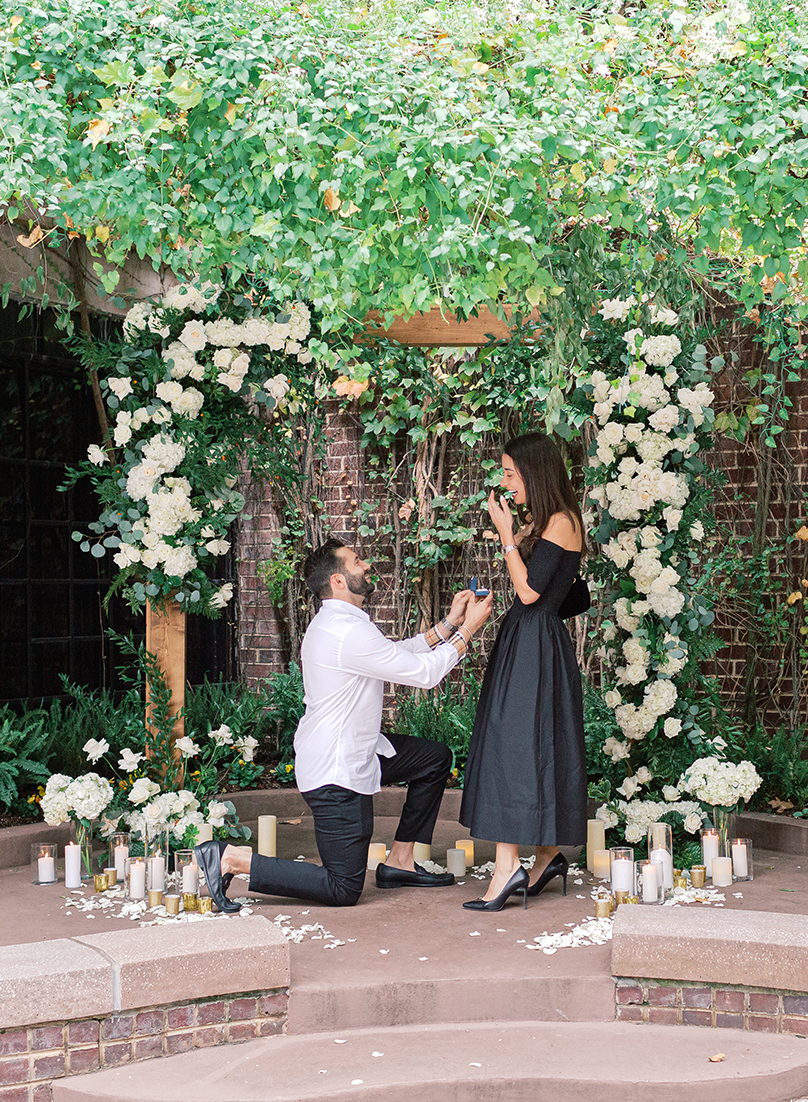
{"points": [[165, 639], [437, 330]]}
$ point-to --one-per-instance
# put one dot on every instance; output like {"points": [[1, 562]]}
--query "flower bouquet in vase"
{"points": [[80, 801], [720, 786]]}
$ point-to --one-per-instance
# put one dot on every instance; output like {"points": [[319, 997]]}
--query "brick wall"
{"points": [[757, 1010], [30, 1059]]}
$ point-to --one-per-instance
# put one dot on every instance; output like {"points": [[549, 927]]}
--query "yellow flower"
{"points": [[289, 768], [455, 773], [792, 598]]}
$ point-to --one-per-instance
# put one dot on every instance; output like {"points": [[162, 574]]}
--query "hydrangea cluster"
{"points": [[651, 413], [720, 783], [190, 362], [80, 798]]}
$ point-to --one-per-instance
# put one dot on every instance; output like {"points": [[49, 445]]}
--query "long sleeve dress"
{"points": [[526, 769]]}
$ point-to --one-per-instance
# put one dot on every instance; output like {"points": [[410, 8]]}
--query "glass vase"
{"points": [[721, 821], [81, 834]]}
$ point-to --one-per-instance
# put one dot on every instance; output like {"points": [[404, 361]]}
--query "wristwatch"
{"points": [[506, 550]]}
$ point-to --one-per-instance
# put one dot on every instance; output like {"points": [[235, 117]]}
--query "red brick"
{"points": [[270, 1026], [241, 1031], [211, 1013], [626, 996], [13, 1071], [761, 1023], [697, 997], [664, 1015], [240, 1009], [13, 1041], [149, 1022], [795, 1004], [45, 1037], [795, 1025], [662, 996], [179, 1017], [762, 1003], [212, 1035], [114, 1029], [179, 1042], [41, 1093], [732, 1001], [629, 1013], [277, 1004], [729, 1021], [112, 1056], [697, 1017], [148, 1047], [80, 1060], [49, 1067], [83, 1033], [14, 1094]]}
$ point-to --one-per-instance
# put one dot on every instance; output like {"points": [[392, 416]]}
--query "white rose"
{"points": [[613, 698], [634, 833], [120, 387], [672, 727], [697, 531], [96, 455], [193, 336], [222, 736], [628, 788], [217, 813], [221, 597], [693, 822], [277, 387], [169, 392], [129, 761], [95, 749], [122, 434], [187, 747], [671, 793], [142, 790], [607, 816], [644, 775]]}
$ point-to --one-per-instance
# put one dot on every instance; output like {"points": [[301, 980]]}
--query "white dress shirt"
{"points": [[346, 662]]}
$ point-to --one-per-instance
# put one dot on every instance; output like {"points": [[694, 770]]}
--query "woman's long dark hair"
{"points": [[548, 489]]}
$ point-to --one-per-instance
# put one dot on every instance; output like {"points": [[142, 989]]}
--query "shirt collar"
{"points": [[333, 606]]}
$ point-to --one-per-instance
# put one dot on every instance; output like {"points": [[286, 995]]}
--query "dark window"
{"points": [[51, 593]]}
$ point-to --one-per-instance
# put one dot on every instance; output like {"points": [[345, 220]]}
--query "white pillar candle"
{"points": [[722, 872], [663, 858], [377, 854], [46, 869], [709, 849], [421, 851], [190, 882], [595, 840], [622, 875], [72, 865], [740, 865], [157, 874], [137, 878], [456, 861], [600, 864], [267, 835], [650, 883], [204, 833], [467, 845], [121, 853]]}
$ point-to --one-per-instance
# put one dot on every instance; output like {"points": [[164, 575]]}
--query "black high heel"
{"points": [[517, 883], [559, 866]]}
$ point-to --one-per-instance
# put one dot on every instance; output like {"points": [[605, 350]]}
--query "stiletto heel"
{"points": [[517, 883], [559, 866]]}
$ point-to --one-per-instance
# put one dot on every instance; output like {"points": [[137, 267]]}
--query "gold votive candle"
{"points": [[155, 898], [190, 901], [112, 877], [173, 904], [680, 882], [633, 899], [603, 908], [698, 876], [100, 881], [620, 897], [204, 905]]}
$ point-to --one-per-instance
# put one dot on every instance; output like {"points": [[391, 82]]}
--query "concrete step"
{"points": [[496, 1061]]}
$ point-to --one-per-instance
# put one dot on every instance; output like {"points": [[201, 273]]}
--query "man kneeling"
{"points": [[341, 756]]}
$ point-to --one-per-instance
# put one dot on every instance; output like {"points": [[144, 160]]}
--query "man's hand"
{"points": [[477, 613], [457, 612]]}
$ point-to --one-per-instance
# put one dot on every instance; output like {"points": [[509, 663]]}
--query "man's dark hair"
{"points": [[320, 565]]}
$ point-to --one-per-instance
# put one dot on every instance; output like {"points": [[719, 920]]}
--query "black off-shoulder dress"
{"points": [[526, 769]]}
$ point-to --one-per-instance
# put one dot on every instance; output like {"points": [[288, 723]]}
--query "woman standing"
{"points": [[526, 770]]}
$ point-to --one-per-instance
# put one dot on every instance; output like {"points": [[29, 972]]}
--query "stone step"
{"points": [[501, 1061]]}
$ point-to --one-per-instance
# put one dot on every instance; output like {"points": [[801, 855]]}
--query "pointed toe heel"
{"points": [[559, 866], [517, 883]]}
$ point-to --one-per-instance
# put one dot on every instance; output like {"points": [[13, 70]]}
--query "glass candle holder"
{"points": [[601, 864], [156, 852], [698, 876], [622, 870], [709, 848], [136, 877], [741, 852], [186, 873], [660, 852], [119, 844], [43, 863], [650, 886]]}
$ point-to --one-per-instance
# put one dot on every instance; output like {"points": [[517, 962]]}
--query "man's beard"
{"points": [[360, 584]]}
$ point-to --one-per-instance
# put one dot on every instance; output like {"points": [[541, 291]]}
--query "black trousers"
{"points": [[343, 826]]}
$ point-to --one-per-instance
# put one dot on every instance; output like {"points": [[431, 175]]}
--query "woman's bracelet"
{"points": [[507, 548]]}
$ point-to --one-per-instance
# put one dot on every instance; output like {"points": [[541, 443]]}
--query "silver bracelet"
{"points": [[506, 550]]}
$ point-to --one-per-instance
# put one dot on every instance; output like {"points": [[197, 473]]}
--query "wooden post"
{"points": [[165, 639]]}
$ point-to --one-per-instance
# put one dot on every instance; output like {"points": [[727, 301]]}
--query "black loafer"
{"points": [[208, 857], [388, 877]]}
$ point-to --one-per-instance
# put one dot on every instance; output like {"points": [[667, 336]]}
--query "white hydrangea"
{"points": [[180, 359], [87, 796], [135, 320], [675, 658], [720, 782], [660, 351], [179, 561], [165, 452]]}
